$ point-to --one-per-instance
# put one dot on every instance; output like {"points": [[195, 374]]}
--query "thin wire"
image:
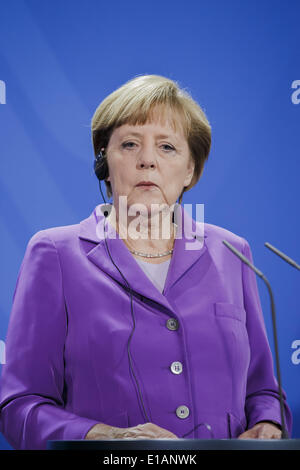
{"points": [[132, 314]]}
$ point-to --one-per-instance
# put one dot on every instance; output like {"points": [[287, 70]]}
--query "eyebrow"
{"points": [[160, 136]]}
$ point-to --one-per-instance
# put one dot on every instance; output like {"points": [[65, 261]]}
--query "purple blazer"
{"points": [[67, 365]]}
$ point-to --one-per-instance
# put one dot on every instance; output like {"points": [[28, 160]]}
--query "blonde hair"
{"points": [[134, 103]]}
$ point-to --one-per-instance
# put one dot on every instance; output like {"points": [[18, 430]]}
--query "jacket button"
{"points": [[172, 324], [176, 367], [182, 412]]}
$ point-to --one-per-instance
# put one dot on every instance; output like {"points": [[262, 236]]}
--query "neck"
{"points": [[151, 235]]}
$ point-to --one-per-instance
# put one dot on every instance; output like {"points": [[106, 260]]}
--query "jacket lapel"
{"points": [[187, 250]]}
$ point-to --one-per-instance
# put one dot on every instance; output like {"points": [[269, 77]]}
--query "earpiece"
{"points": [[100, 166], [101, 171]]}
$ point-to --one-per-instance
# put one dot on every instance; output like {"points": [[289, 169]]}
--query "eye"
{"points": [[125, 145], [170, 147]]}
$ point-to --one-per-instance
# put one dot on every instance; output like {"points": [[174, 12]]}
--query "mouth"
{"points": [[146, 184]]}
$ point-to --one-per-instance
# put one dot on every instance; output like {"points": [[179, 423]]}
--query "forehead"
{"points": [[166, 125]]}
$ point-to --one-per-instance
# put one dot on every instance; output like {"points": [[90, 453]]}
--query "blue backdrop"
{"points": [[238, 59]]}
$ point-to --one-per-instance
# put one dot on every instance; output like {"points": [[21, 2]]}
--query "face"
{"points": [[151, 152]]}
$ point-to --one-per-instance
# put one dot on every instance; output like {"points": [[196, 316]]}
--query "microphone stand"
{"points": [[284, 434]]}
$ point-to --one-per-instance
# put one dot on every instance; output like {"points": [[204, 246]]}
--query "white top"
{"points": [[157, 273]]}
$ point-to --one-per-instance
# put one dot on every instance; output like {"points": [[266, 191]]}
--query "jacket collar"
{"points": [[189, 246]]}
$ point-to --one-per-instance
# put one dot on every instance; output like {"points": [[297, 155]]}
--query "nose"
{"points": [[146, 159]]}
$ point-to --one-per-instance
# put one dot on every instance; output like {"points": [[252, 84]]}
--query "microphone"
{"points": [[284, 434], [282, 255], [106, 209]]}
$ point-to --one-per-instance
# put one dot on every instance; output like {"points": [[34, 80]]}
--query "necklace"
{"points": [[147, 255]]}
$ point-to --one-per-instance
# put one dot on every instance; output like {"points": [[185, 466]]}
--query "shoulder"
{"points": [[216, 234], [54, 236]]}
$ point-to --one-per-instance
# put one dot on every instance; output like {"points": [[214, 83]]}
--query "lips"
{"points": [[146, 183]]}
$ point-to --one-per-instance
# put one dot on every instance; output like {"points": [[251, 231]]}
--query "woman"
{"points": [[115, 333]]}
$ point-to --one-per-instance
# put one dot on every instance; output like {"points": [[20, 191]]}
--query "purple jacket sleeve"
{"points": [[31, 404], [262, 397]]}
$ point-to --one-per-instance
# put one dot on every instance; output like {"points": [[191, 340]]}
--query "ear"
{"points": [[190, 172]]}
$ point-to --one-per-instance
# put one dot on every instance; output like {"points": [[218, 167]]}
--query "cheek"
{"points": [[176, 176], [122, 179]]}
